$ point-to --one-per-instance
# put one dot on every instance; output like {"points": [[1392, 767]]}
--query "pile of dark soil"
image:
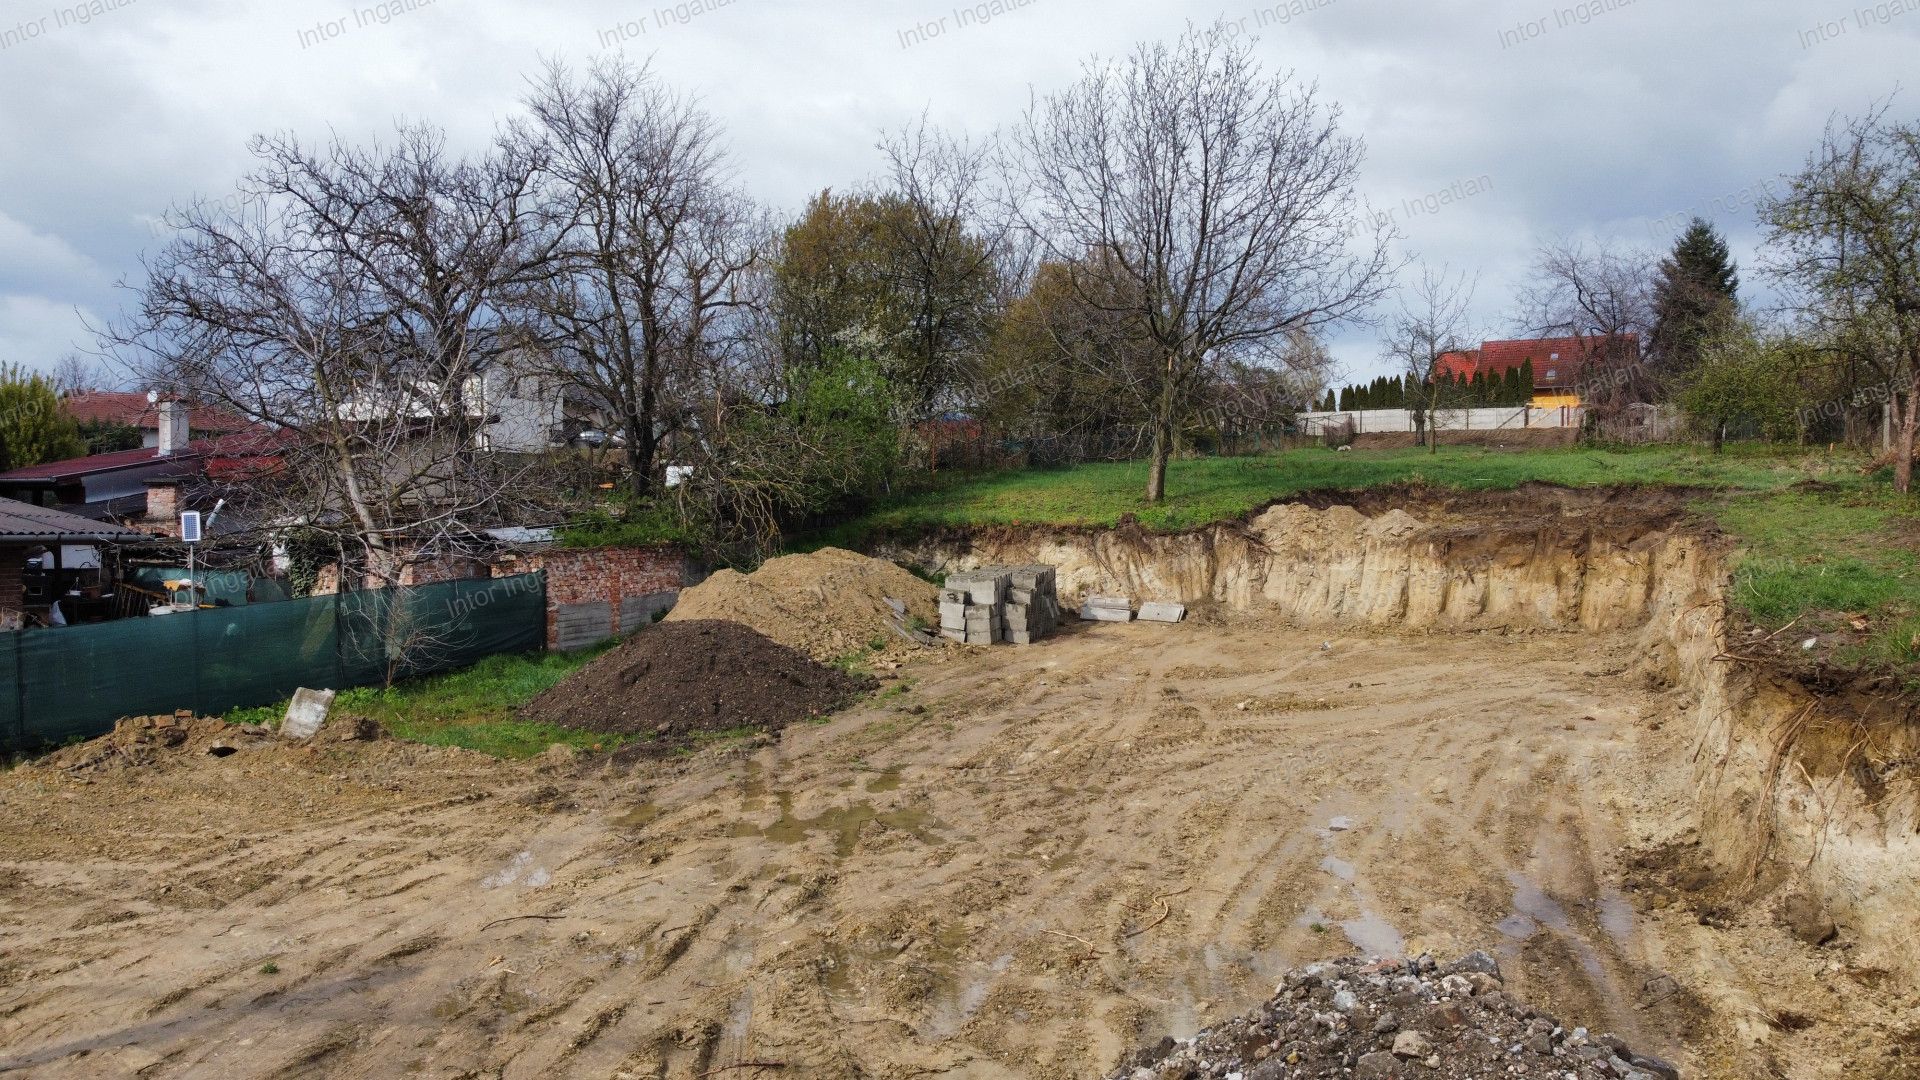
{"points": [[677, 680], [1352, 1019]]}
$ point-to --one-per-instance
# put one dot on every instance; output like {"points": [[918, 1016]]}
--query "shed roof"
{"points": [[26, 523]]}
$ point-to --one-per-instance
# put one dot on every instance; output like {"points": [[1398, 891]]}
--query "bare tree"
{"points": [[77, 374], [1221, 197], [346, 302], [1602, 297], [653, 240], [952, 252], [1845, 239], [1435, 321]]}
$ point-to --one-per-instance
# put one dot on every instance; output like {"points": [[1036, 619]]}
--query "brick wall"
{"points": [[640, 580], [163, 507], [438, 569], [12, 586]]}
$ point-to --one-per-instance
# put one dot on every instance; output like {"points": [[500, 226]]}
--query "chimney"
{"points": [[175, 431]]}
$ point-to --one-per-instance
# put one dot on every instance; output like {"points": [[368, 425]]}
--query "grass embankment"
{"points": [[472, 709], [1821, 541], [1207, 490]]}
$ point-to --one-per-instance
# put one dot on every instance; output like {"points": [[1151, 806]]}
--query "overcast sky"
{"points": [[1615, 118]]}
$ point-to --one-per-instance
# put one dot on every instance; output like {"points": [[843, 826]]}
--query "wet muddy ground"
{"points": [[1020, 862]]}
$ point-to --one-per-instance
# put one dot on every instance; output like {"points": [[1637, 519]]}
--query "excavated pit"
{"points": [[1793, 790]]}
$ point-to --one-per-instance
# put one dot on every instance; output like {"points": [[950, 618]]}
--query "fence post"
{"points": [[199, 663], [543, 609]]}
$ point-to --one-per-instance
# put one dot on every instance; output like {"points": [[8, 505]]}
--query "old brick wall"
{"points": [[13, 561], [633, 583]]}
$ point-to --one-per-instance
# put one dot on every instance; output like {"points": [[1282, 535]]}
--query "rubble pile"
{"points": [[143, 740], [1394, 1019], [995, 604]]}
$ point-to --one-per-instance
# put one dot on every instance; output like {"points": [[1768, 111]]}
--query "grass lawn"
{"points": [[471, 709], [1206, 490]]}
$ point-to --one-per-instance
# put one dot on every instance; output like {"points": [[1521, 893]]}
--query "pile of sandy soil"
{"points": [[674, 681], [828, 604]]}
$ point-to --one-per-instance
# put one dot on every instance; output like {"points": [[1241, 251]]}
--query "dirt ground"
{"points": [[1012, 863]]}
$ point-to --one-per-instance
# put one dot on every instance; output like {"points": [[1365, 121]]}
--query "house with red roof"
{"points": [[137, 411], [147, 484], [1559, 364]]}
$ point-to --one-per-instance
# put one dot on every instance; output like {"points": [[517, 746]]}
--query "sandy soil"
{"points": [[1016, 863]]}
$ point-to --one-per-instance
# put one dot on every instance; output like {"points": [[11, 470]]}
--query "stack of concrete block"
{"points": [[973, 607], [1033, 604], [1107, 609], [997, 604]]}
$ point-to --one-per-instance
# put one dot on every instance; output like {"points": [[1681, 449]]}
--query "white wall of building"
{"points": [[1390, 421]]}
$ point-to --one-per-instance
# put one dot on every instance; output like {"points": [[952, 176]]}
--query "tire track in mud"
{"points": [[1050, 874]]}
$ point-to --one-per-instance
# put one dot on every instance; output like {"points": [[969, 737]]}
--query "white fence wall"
{"points": [[1370, 421]]}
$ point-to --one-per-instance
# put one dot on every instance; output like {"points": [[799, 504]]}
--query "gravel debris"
{"points": [[1361, 1019]]}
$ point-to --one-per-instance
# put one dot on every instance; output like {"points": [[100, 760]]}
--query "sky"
{"points": [[1491, 127]]}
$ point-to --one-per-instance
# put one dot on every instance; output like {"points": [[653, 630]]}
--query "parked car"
{"points": [[596, 439]]}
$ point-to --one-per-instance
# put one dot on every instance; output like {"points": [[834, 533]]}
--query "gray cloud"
{"points": [[1616, 119]]}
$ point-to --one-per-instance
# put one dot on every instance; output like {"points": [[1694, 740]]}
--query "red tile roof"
{"points": [[135, 410], [75, 468], [255, 450], [1557, 362]]}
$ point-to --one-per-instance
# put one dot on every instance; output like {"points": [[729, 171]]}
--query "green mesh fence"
{"points": [[12, 731], [228, 588], [73, 683]]}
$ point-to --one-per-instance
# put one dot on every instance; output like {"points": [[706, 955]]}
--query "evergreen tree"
{"points": [[1346, 399], [1695, 296], [1331, 403], [1527, 385], [35, 426]]}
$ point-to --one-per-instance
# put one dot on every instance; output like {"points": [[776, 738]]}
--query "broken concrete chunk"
{"points": [[307, 713], [1164, 613]]}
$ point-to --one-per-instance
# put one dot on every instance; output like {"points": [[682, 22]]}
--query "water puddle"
{"points": [[1534, 909], [1370, 933], [885, 782], [753, 788], [639, 817], [970, 993], [843, 823], [1617, 918], [1339, 868], [520, 870], [1335, 827], [1374, 935]]}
